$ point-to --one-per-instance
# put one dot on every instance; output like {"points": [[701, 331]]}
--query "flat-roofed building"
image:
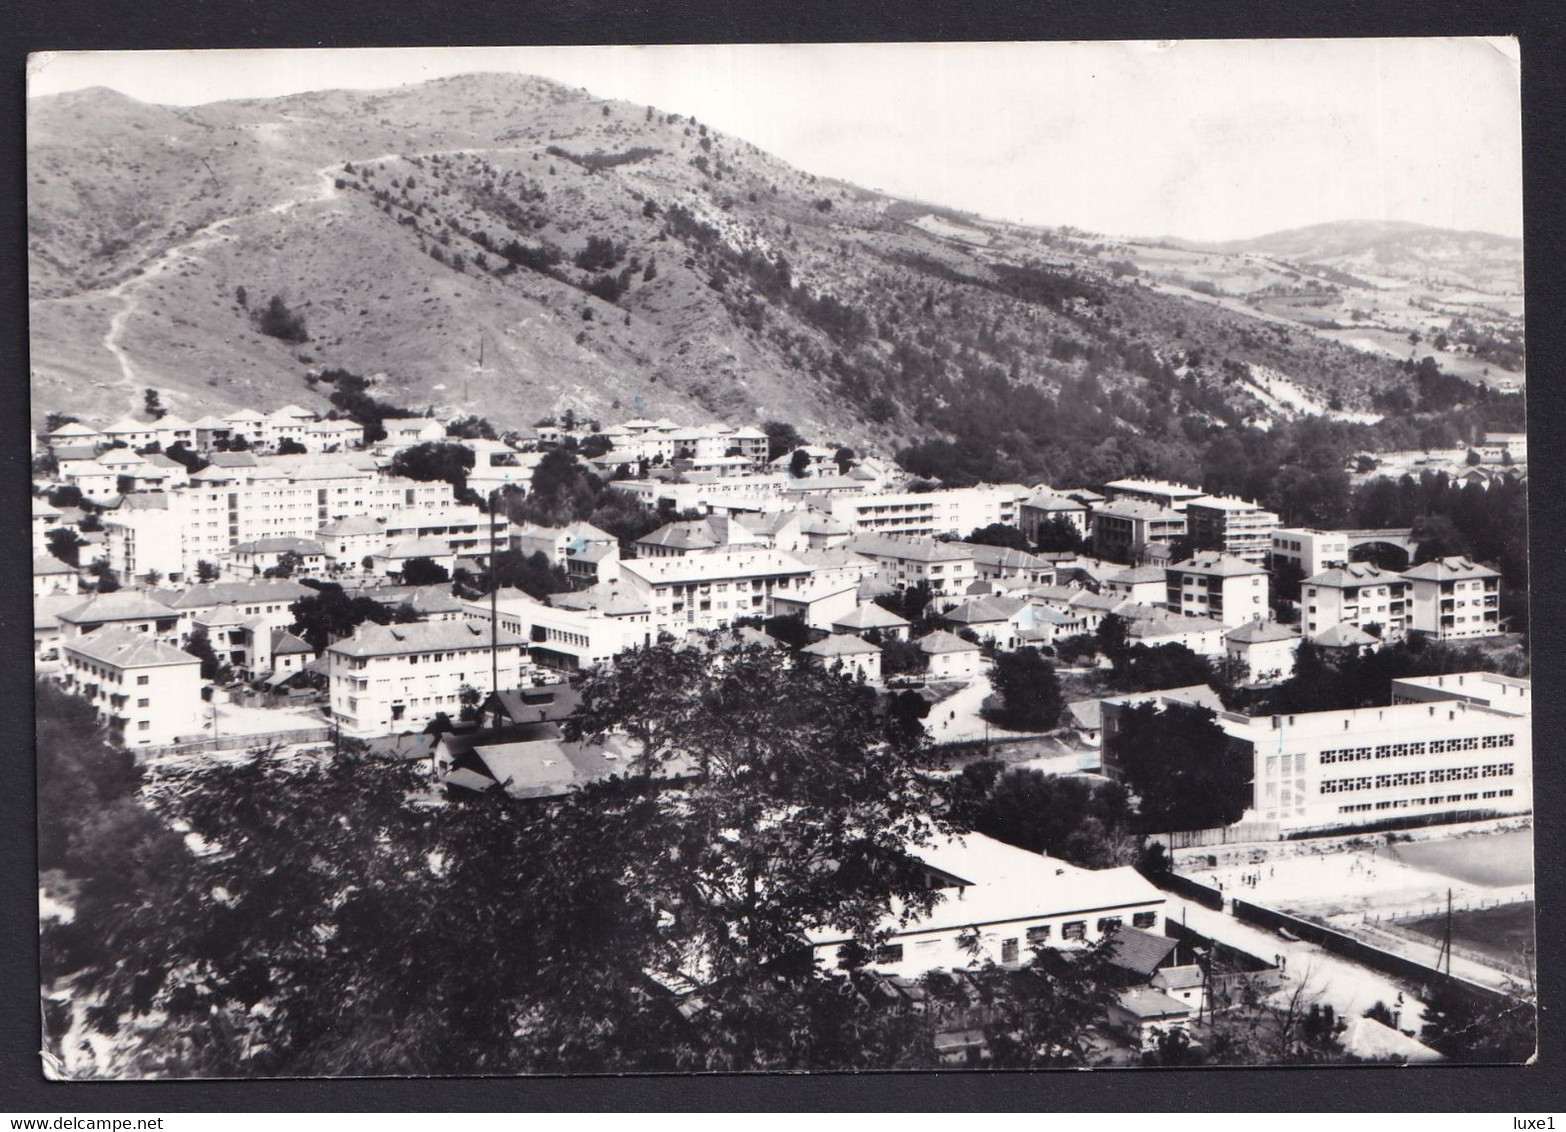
{"points": [[1123, 529], [1312, 551], [954, 512], [1232, 526], [1161, 493]]}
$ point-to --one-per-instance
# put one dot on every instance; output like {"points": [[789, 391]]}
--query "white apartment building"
{"points": [[1043, 506], [1228, 589], [708, 591], [902, 563], [45, 519], [597, 628], [1358, 594], [1233, 526], [386, 679], [1012, 900], [1327, 769], [146, 691], [1453, 599], [1311, 550], [267, 600], [1160, 493], [123, 609], [954, 512]]}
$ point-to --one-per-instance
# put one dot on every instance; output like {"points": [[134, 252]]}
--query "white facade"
{"points": [[1233, 526], [708, 591], [903, 563], [1358, 594], [1454, 599], [569, 638], [955, 511], [1311, 550], [1229, 590], [387, 679], [147, 692]]}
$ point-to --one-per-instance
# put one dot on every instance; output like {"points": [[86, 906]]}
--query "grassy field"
{"points": [[1492, 859], [1496, 932]]}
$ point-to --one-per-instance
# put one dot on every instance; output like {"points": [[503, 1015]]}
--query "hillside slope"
{"points": [[599, 256]]}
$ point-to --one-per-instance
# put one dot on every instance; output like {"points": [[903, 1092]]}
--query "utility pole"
{"points": [[1446, 938], [494, 604]]}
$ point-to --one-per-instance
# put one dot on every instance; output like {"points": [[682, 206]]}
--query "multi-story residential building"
{"points": [[1003, 564], [1124, 528], [132, 433], [559, 544], [263, 554], [1451, 758], [1358, 594], [1233, 526], [1310, 550], [954, 512], [1147, 585], [391, 678], [146, 691], [45, 519], [75, 434], [1230, 590], [708, 591], [1006, 901], [1453, 598], [1043, 506], [902, 563], [1160, 493], [123, 609], [577, 630], [270, 600]]}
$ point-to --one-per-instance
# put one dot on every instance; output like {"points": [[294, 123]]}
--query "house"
{"points": [[1001, 563], [1357, 595], [1147, 585], [405, 432], [75, 434], [559, 544], [147, 692], [1370, 1040], [51, 576], [536, 769], [263, 554], [1002, 902], [270, 599], [46, 518], [950, 657], [388, 678], [872, 617], [1230, 590], [1343, 639], [1143, 1015], [857, 656], [1453, 599], [1186, 983], [350, 540], [819, 603], [393, 560], [1265, 648], [1043, 507], [997, 618]]}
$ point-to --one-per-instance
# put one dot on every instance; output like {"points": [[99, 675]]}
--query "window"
{"points": [[142, 681], [1108, 923], [889, 953], [144, 703], [144, 725], [1144, 919], [1073, 929], [1038, 935]]}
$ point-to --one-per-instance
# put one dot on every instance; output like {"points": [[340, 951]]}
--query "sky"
{"points": [[1207, 140]]}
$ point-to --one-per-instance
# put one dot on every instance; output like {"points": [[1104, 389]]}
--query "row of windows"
{"points": [[1434, 747], [1417, 778], [1036, 936]]}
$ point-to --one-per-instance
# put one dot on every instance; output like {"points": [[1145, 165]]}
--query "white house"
{"points": [[950, 657], [1265, 648], [857, 656]]}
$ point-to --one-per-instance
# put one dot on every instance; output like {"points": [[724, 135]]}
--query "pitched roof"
{"points": [[1137, 575], [1342, 636], [1449, 570], [1215, 562], [351, 525], [910, 549], [1260, 632], [841, 644], [607, 598], [869, 616], [205, 594], [127, 648], [1353, 574], [1006, 557], [1136, 950], [417, 548], [49, 564], [941, 641], [691, 534], [1145, 1003], [280, 545], [984, 610], [285, 643], [121, 605], [421, 636]]}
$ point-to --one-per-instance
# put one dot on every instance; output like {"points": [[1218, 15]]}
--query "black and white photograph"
{"points": [[829, 558]]}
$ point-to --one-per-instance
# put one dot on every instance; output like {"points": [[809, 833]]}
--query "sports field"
{"points": [[1492, 860], [1499, 933]]}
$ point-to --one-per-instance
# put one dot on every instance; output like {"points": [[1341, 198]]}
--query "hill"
{"points": [[619, 261]]}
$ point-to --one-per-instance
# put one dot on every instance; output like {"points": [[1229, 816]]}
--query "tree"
{"points": [[470, 427], [1144, 669], [64, 544], [1469, 1028], [1029, 690], [532, 574], [1182, 767], [206, 571], [799, 464], [1112, 635], [154, 405], [278, 321], [424, 572], [845, 457], [288, 446], [782, 438], [200, 645], [999, 534], [1066, 817], [288, 564], [803, 807], [330, 614], [900, 657], [435, 460]]}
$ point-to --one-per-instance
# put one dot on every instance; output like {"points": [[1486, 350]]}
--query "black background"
{"points": [[38, 25]]}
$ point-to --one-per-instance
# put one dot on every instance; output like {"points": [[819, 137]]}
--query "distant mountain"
{"points": [[601, 256], [1396, 249]]}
